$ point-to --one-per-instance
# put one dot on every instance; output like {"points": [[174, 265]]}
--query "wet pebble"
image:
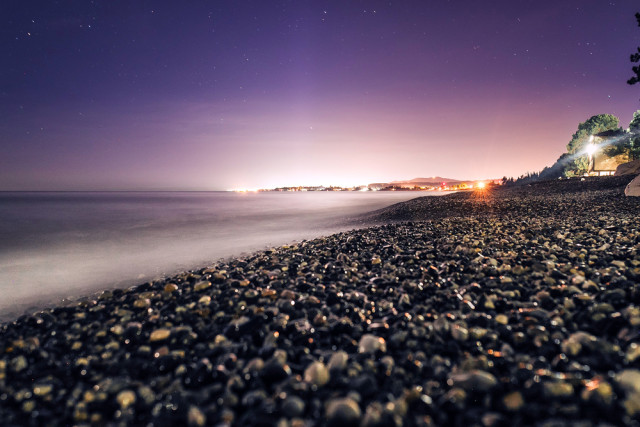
{"points": [[343, 412], [126, 398], [317, 374], [159, 335], [475, 380], [513, 401], [370, 344], [293, 406], [338, 361]]}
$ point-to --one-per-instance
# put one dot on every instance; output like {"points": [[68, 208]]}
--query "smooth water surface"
{"points": [[59, 245]]}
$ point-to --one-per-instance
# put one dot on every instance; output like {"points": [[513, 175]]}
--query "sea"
{"points": [[61, 246]]}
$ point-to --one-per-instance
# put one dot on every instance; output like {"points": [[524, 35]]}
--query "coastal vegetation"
{"points": [[578, 163], [631, 145], [575, 161]]}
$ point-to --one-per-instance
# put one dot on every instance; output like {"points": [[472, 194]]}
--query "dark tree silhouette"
{"points": [[635, 58]]}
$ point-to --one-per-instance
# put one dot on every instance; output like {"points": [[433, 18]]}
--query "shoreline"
{"points": [[519, 305], [86, 244]]}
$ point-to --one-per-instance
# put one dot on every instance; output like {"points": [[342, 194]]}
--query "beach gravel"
{"points": [[513, 306]]}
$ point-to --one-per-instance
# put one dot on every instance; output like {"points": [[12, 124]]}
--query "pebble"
{"points": [[343, 412], [159, 335], [459, 333], [19, 364], [316, 374], [373, 415], [502, 319], [370, 344], [28, 406], [42, 389], [147, 394], [513, 401], [170, 287], [629, 379], [633, 352], [475, 380], [338, 361], [195, 417], [126, 398], [142, 303], [558, 389], [576, 341], [201, 286], [293, 406], [599, 391]]}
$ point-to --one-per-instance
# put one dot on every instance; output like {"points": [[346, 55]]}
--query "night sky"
{"points": [[206, 95]]}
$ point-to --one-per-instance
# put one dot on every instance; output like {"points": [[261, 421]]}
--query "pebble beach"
{"points": [[511, 306]]}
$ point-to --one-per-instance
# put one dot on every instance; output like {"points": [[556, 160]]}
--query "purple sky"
{"points": [[224, 94]]}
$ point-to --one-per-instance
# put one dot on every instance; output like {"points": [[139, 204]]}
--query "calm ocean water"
{"points": [[65, 245]]}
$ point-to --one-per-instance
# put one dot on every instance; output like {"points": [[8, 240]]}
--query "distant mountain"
{"points": [[434, 180]]}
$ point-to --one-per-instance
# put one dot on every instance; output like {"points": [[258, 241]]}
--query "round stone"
{"points": [[42, 389], [459, 333], [502, 319], [629, 379], [338, 361], [19, 364], [317, 374], [513, 401], [159, 335], [598, 390], [475, 380], [142, 303], [633, 352], [343, 412], [293, 406], [558, 389], [170, 287], [201, 286], [370, 344], [195, 417], [126, 398]]}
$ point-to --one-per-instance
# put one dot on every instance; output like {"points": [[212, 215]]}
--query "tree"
{"points": [[635, 58], [580, 139], [634, 126], [634, 131], [629, 143]]}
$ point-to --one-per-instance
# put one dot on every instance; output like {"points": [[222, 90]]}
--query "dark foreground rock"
{"points": [[523, 307]]}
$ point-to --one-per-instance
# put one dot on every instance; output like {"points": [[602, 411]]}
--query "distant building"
{"points": [[602, 163], [377, 186]]}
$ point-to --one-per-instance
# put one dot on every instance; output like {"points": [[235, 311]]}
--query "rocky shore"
{"points": [[511, 306]]}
